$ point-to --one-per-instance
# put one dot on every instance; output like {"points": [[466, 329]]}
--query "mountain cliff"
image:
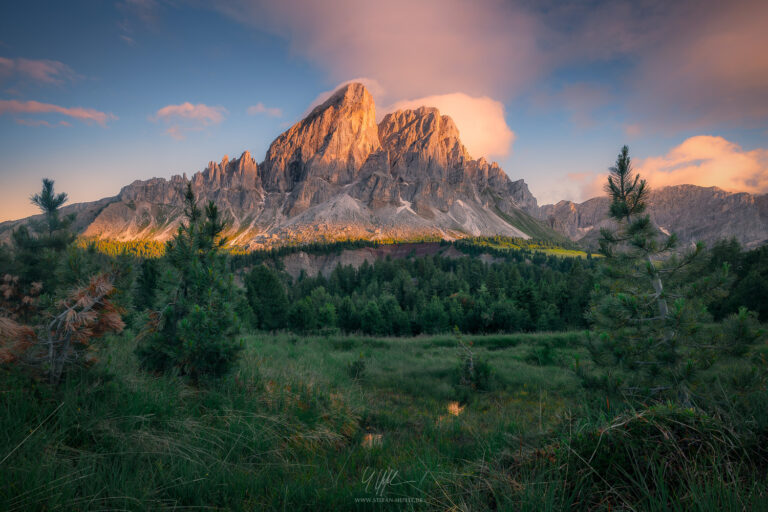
{"points": [[335, 174], [694, 213]]}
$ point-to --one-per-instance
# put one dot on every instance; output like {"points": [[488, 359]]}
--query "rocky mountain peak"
{"points": [[338, 174], [423, 137], [330, 144]]}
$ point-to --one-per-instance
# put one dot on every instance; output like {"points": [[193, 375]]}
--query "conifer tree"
{"points": [[647, 310], [40, 244], [194, 332], [267, 297]]}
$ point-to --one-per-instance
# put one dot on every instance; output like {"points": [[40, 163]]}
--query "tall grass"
{"points": [[292, 429]]}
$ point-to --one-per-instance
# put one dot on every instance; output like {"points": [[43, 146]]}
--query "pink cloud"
{"points": [[44, 71], [36, 107], [704, 64], [412, 49], [40, 122], [259, 108], [187, 117], [33, 122], [200, 113], [689, 64], [709, 161], [175, 132], [703, 160]]}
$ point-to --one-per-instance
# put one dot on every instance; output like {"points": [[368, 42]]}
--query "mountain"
{"points": [[335, 174], [694, 213]]}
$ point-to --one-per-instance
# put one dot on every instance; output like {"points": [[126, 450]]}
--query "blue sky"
{"points": [[550, 91]]}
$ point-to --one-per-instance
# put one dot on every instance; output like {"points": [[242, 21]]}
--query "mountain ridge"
{"points": [[694, 213], [336, 174]]}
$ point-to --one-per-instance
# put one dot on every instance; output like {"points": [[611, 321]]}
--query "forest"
{"points": [[538, 377]]}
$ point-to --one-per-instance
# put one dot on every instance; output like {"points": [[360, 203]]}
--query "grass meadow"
{"points": [[342, 423]]}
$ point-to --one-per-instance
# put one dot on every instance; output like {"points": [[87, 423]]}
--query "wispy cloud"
{"points": [[41, 71], [136, 15], [710, 69], [413, 49], [187, 117], [35, 107], [260, 108], [201, 113], [671, 65], [40, 122]]}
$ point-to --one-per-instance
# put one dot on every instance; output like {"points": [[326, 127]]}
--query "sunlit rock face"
{"points": [[705, 214], [323, 151], [336, 174]]}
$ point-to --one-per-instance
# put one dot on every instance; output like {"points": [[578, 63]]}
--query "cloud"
{"points": [[703, 160], [136, 15], [200, 113], [175, 132], [35, 107], [412, 49], [673, 65], [679, 65], [480, 120], [709, 161], [259, 108], [40, 122], [187, 117], [711, 68], [42, 71]]}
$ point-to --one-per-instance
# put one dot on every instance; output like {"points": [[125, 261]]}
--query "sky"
{"points": [[96, 94]]}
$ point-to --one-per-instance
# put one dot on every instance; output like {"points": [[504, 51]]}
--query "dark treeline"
{"points": [[527, 291], [524, 292], [749, 273]]}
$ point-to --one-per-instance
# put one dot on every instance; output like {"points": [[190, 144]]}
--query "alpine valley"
{"points": [[338, 175]]}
